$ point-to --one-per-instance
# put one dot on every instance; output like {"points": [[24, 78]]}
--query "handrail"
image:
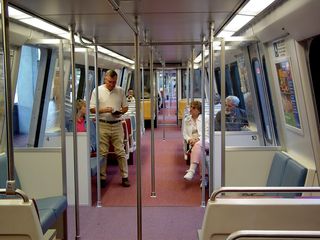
{"points": [[116, 8], [262, 189], [16, 192], [273, 234]]}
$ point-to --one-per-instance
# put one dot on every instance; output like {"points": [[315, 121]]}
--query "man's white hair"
{"points": [[235, 100]]}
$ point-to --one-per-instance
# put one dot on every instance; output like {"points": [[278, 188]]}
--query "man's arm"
{"points": [[124, 109]]}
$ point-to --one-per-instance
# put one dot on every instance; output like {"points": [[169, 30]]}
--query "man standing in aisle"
{"points": [[112, 104]]}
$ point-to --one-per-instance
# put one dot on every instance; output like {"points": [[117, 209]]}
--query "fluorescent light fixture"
{"points": [[237, 22], [80, 49], [115, 55], [206, 52], [199, 57], [50, 28], [254, 7], [40, 24], [225, 34], [245, 15], [16, 14], [196, 66]]}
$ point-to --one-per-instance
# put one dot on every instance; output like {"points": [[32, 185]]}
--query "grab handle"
{"points": [[273, 234], [16, 192], [262, 189]]}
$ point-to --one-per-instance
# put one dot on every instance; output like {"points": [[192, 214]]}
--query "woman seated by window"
{"points": [[192, 135]]}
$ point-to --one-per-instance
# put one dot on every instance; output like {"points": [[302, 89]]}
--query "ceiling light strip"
{"points": [[50, 28]]}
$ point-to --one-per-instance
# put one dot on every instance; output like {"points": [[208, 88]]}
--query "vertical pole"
{"points": [[62, 112], [10, 188], [63, 132], [192, 74], [75, 141], [142, 97], [188, 84], [211, 107], [163, 102], [152, 93], [223, 116], [96, 76], [87, 95], [203, 134], [137, 88]]}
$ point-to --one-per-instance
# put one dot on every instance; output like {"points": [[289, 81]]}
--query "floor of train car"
{"points": [[174, 214], [170, 187]]}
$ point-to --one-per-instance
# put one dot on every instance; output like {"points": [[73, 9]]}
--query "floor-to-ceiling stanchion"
{"points": [[96, 79], [142, 97], [163, 105], [192, 73], [10, 188], [62, 129], [223, 116], [75, 141], [212, 94], [137, 88], [203, 126], [152, 110], [188, 84]]}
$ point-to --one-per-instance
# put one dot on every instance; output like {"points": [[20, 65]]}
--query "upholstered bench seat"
{"points": [[49, 209], [286, 172]]}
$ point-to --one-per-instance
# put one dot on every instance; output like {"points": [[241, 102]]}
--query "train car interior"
{"points": [[239, 76]]}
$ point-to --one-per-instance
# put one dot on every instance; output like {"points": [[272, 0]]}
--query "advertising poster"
{"points": [[288, 96]]}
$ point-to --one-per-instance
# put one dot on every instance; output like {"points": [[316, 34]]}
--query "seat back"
{"points": [[294, 176], [224, 216], [126, 138], [19, 220], [133, 126], [279, 163]]}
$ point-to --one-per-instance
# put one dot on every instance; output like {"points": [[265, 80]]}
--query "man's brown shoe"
{"points": [[125, 182], [103, 183]]}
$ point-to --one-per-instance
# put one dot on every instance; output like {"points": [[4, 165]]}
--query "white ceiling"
{"points": [[182, 21]]}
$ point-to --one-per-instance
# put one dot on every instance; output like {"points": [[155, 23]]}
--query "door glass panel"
{"points": [[25, 93]]}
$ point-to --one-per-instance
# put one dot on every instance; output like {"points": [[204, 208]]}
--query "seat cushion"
{"points": [[50, 209], [47, 219], [93, 165]]}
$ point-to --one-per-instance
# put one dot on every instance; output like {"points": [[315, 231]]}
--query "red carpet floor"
{"points": [[170, 187]]}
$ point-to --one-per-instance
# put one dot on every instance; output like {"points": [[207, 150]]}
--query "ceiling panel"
{"points": [[163, 21]]}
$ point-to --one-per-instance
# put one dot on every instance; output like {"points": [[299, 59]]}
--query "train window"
{"points": [[25, 94], [236, 84], [77, 81], [314, 53], [197, 83], [262, 101], [265, 71], [2, 109], [146, 84], [184, 82], [217, 73]]}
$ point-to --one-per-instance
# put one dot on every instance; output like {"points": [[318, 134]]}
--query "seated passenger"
{"points": [[81, 115], [146, 93], [81, 124], [236, 118], [192, 135], [130, 97]]}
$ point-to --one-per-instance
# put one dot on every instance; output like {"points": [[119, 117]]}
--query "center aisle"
{"points": [[171, 188]]}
